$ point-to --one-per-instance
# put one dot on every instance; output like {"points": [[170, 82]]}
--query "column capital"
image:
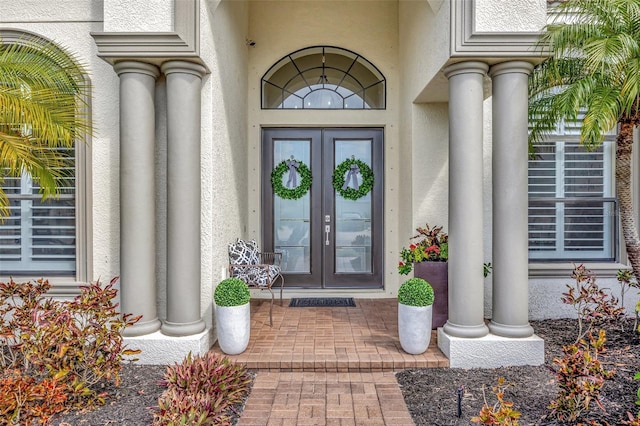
{"points": [[184, 67], [467, 67], [136, 67], [509, 67]]}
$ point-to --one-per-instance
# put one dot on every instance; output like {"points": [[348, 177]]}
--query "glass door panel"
{"points": [[353, 259], [353, 217], [292, 218]]}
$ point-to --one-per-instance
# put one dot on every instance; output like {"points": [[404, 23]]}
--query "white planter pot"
{"points": [[414, 327], [233, 326]]}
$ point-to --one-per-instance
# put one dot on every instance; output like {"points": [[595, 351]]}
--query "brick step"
{"points": [[351, 363]]}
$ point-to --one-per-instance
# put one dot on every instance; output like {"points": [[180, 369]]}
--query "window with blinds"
{"points": [[572, 208], [39, 237]]}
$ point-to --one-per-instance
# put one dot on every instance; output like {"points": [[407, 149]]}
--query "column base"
{"points": [[183, 329], [513, 331], [142, 328], [467, 331], [160, 349], [491, 351]]}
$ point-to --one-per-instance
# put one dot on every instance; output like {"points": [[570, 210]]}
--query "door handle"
{"points": [[327, 231]]}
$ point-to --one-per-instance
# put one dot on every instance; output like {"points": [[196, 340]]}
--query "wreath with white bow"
{"points": [[291, 189], [345, 179]]}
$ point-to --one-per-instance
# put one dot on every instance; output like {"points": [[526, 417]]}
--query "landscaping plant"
{"points": [[500, 413], [580, 377], [627, 280], [592, 304], [431, 245], [201, 391], [633, 420], [57, 354]]}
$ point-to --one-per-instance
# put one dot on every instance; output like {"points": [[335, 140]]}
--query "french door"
{"points": [[326, 240]]}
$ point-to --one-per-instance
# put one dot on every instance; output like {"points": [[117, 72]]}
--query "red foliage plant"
{"points": [[581, 377], [201, 390], [60, 346], [592, 304]]}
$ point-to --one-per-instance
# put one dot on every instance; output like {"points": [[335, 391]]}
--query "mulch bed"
{"points": [[431, 394]]}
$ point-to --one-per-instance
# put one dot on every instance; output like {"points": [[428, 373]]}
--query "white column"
{"points": [[510, 224], [137, 195], [466, 281], [184, 82]]}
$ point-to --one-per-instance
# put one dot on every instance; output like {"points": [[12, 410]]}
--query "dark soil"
{"points": [[431, 394]]}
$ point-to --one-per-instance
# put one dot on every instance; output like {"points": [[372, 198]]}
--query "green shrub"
{"points": [[416, 292], [201, 391], [231, 292]]}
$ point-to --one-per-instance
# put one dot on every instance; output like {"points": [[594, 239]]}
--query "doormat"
{"points": [[304, 302]]}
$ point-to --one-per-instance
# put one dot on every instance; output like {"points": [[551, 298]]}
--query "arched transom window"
{"points": [[323, 77]]}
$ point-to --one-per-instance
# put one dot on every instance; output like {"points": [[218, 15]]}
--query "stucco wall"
{"points": [[367, 28], [224, 138], [510, 16], [424, 49], [138, 15]]}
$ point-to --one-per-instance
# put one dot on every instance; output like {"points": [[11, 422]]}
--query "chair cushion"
{"points": [[243, 252]]}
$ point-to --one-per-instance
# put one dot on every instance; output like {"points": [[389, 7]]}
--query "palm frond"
{"points": [[44, 111], [594, 66]]}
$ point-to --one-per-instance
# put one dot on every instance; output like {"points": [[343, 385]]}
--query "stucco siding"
{"points": [[42, 11], [224, 138], [424, 48], [138, 15], [509, 16]]}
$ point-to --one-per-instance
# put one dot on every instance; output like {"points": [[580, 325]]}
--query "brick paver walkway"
{"points": [[329, 366]]}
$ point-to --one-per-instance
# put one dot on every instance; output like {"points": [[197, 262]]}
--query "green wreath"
{"points": [[341, 186], [291, 193]]}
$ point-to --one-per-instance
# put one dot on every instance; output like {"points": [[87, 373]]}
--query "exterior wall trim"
{"points": [[467, 42], [563, 270], [183, 42]]}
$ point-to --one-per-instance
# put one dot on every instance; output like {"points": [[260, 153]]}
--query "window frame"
{"points": [[569, 133]]}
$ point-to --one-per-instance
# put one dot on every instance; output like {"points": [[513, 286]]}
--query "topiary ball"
{"points": [[416, 292], [231, 292]]}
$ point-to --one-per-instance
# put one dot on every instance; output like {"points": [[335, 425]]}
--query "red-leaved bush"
{"points": [[55, 353], [201, 390], [593, 305], [580, 376]]}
